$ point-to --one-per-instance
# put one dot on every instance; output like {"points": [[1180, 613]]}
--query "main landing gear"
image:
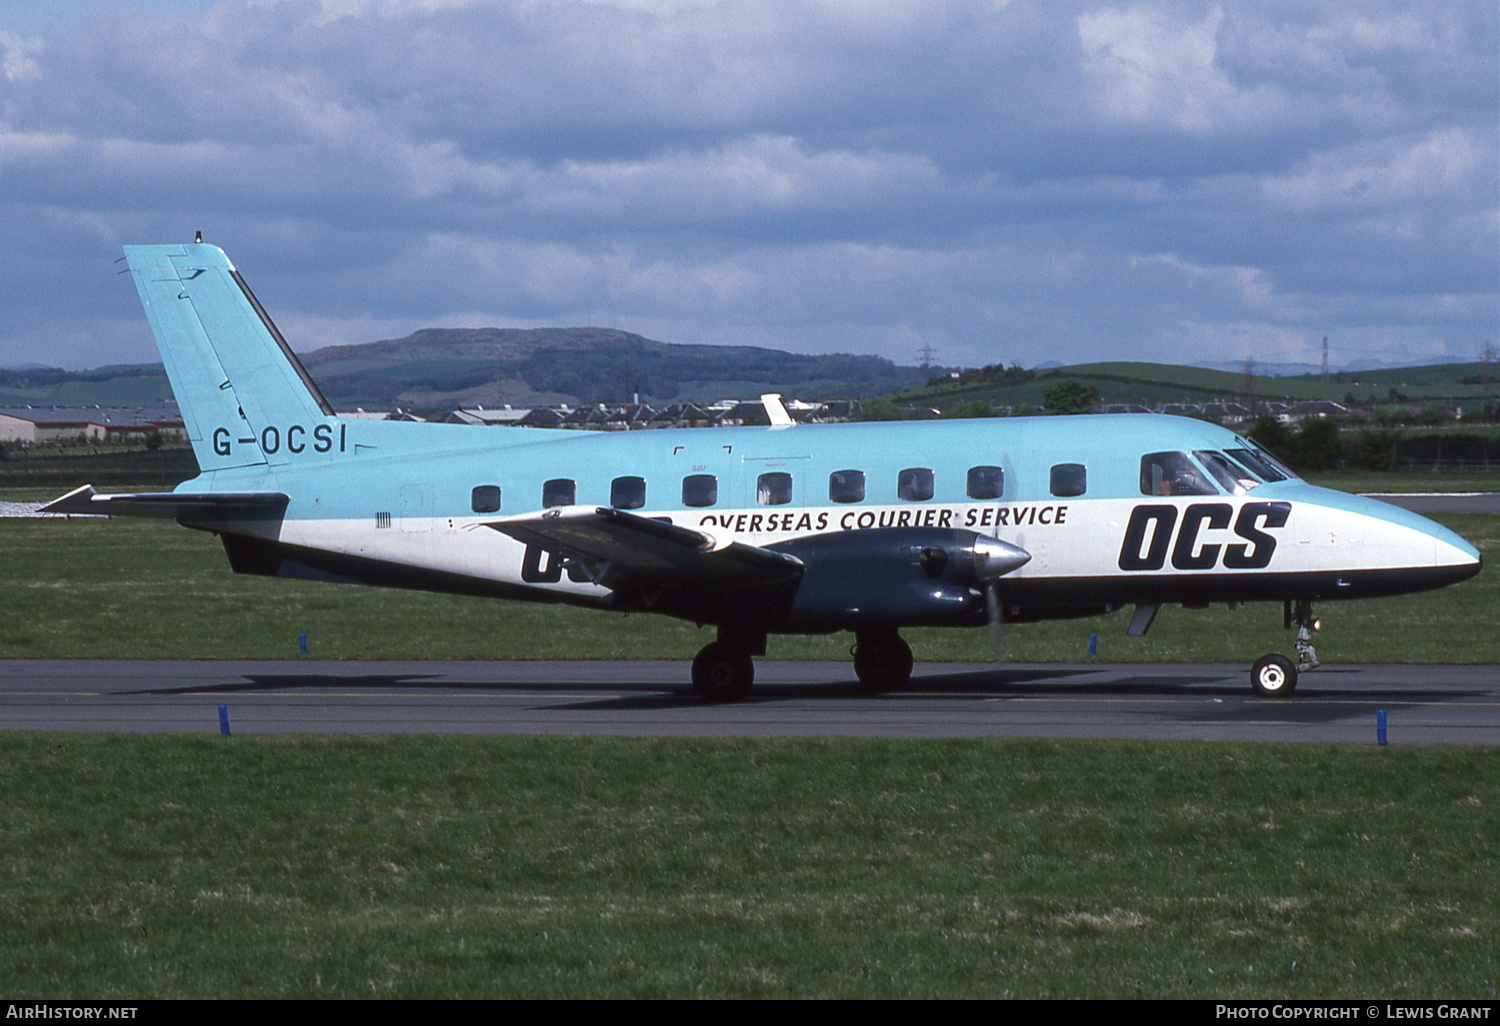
{"points": [[1277, 675], [724, 670], [882, 659]]}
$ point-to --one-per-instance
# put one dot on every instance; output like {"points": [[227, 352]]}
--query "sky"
{"points": [[1016, 181]]}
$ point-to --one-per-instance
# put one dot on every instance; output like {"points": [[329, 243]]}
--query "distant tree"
{"points": [[1316, 446], [1070, 396], [881, 409], [1374, 449], [1023, 410], [973, 408], [1272, 434]]}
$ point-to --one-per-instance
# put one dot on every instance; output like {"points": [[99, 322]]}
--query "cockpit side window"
{"points": [[1232, 477], [1172, 473]]}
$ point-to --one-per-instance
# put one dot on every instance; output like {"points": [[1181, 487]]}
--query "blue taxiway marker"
{"points": [[224, 720]]}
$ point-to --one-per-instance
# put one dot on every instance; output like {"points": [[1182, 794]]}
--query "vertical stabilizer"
{"points": [[245, 398]]}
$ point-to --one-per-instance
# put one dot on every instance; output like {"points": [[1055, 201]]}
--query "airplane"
{"points": [[786, 528]]}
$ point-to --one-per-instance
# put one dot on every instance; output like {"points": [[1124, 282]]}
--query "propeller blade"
{"points": [[997, 620]]}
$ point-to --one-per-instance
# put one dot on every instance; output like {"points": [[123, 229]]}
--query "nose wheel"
{"points": [[1277, 675], [1273, 675]]}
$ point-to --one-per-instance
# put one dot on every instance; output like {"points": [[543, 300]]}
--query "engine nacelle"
{"points": [[896, 575]]}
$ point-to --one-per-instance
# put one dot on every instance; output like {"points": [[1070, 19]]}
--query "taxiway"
{"points": [[1423, 704]]}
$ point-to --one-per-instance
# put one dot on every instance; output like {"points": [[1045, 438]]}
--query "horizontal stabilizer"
{"points": [[617, 548], [189, 506]]}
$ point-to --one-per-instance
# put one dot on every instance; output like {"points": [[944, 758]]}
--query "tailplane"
{"points": [[244, 396]]}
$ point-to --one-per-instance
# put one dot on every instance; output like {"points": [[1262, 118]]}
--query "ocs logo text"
{"points": [[1156, 531]]}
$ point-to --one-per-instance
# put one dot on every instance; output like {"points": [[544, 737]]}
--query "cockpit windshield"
{"points": [[1233, 478], [1259, 462]]}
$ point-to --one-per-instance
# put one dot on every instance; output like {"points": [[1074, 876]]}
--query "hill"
{"points": [[442, 368], [1454, 384], [438, 369], [445, 367]]}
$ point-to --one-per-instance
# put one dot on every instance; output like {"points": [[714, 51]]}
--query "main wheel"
{"points": [[882, 662], [1273, 675], [722, 673]]}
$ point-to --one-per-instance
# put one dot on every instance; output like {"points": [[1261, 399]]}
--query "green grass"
{"points": [[1362, 481], [137, 867], [145, 589]]}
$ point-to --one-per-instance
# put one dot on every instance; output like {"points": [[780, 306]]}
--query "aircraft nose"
{"points": [[1397, 531]]}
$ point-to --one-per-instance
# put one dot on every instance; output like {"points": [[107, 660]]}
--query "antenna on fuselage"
{"points": [[776, 410]]}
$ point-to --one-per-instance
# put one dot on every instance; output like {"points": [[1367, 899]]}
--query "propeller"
{"points": [[993, 559], [997, 620]]}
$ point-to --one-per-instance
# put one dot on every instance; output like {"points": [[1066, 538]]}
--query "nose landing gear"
{"points": [[1277, 675]]}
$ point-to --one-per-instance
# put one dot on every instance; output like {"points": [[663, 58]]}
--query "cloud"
{"points": [[1025, 180], [1441, 164], [1152, 70]]}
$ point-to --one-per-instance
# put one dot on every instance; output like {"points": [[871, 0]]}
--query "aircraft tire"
{"points": [[1273, 675], [882, 662], [722, 673]]}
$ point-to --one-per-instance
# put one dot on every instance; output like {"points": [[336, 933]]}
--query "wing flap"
{"points": [[616, 547], [188, 506]]}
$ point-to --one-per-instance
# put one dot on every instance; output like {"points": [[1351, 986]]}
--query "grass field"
{"points": [[144, 866], [141, 867], [148, 589]]}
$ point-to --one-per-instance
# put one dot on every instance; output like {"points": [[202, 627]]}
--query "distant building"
{"points": [[1316, 408], [29, 425]]}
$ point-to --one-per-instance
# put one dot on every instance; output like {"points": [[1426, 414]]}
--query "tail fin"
{"points": [[244, 396]]}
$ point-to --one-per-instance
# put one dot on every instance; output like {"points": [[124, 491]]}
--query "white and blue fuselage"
{"points": [[865, 527]]}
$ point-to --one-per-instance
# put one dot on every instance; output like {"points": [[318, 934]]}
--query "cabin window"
{"points": [[914, 484], [559, 491], [700, 490], [986, 482], [1069, 479], [627, 492], [846, 486], [774, 489], [1172, 473], [485, 499]]}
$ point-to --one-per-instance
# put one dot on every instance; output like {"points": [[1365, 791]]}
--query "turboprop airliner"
{"points": [[754, 531]]}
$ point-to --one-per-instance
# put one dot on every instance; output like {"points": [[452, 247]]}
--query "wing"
{"points": [[186, 506], [616, 549]]}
